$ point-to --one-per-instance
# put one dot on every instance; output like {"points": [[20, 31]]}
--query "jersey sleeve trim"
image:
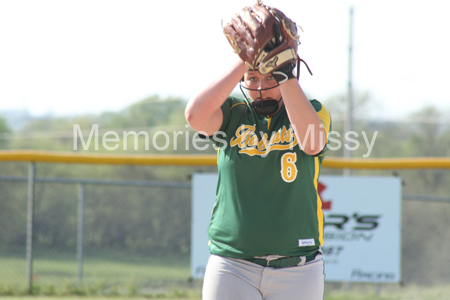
{"points": [[236, 105], [325, 119], [227, 107]]}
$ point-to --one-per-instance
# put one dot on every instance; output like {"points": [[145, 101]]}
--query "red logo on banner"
{"points": [[326, 205]]}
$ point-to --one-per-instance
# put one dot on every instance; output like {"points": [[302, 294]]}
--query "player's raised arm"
{"points": [[203, 111], [302, 115], [304, 118]]}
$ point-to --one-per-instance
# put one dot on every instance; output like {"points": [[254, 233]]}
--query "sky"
{"points": [[75, 57]]}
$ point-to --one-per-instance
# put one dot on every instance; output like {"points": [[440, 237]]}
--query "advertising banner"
{"points": [[361, 229]]}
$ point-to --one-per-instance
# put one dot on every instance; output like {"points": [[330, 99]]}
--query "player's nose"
{"points": [[263, 84]]}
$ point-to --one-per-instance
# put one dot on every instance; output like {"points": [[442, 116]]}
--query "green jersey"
{"points": [[267, 200]]}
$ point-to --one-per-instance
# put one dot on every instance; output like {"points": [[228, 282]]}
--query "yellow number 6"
{"points": [[288, 167]]}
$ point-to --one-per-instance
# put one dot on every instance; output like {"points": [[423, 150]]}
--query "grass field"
{"points": [[390, 292], [410, 293], [119, 267], [109, 274], [115, 276]]}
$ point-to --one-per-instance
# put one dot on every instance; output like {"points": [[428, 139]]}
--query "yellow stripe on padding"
{"points": [[319, 201]]}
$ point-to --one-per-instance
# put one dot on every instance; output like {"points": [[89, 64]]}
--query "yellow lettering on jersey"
{"points": [[276, 138], [252, 141], [246, 139], [242, 136], [262, 145], [288, 135]]}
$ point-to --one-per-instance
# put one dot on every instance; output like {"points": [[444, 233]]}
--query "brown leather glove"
{"points": [[263, 37]]}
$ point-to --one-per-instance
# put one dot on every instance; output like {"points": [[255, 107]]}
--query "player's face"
{"points": [[257, 81]]}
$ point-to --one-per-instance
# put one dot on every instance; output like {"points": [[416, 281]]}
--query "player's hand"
{"points": [[279, 62], [285, 73]]}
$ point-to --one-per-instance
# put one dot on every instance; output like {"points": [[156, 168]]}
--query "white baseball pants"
{"points": [[238, 279]]}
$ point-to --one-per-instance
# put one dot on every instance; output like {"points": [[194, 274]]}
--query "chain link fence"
{"points": [[105, 233], [120, 230]]}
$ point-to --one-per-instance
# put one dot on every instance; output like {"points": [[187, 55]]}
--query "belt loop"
{"points": [[270, 258], [302, 261]]}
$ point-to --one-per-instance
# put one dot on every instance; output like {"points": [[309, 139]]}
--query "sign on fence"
{"points": [[361, 230]]}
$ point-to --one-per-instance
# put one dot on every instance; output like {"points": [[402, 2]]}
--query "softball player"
{"points": [[266, 228]]}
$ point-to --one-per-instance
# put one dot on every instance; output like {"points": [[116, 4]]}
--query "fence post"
{"points": [[30, 214], [80, 233], [377, 288]]}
